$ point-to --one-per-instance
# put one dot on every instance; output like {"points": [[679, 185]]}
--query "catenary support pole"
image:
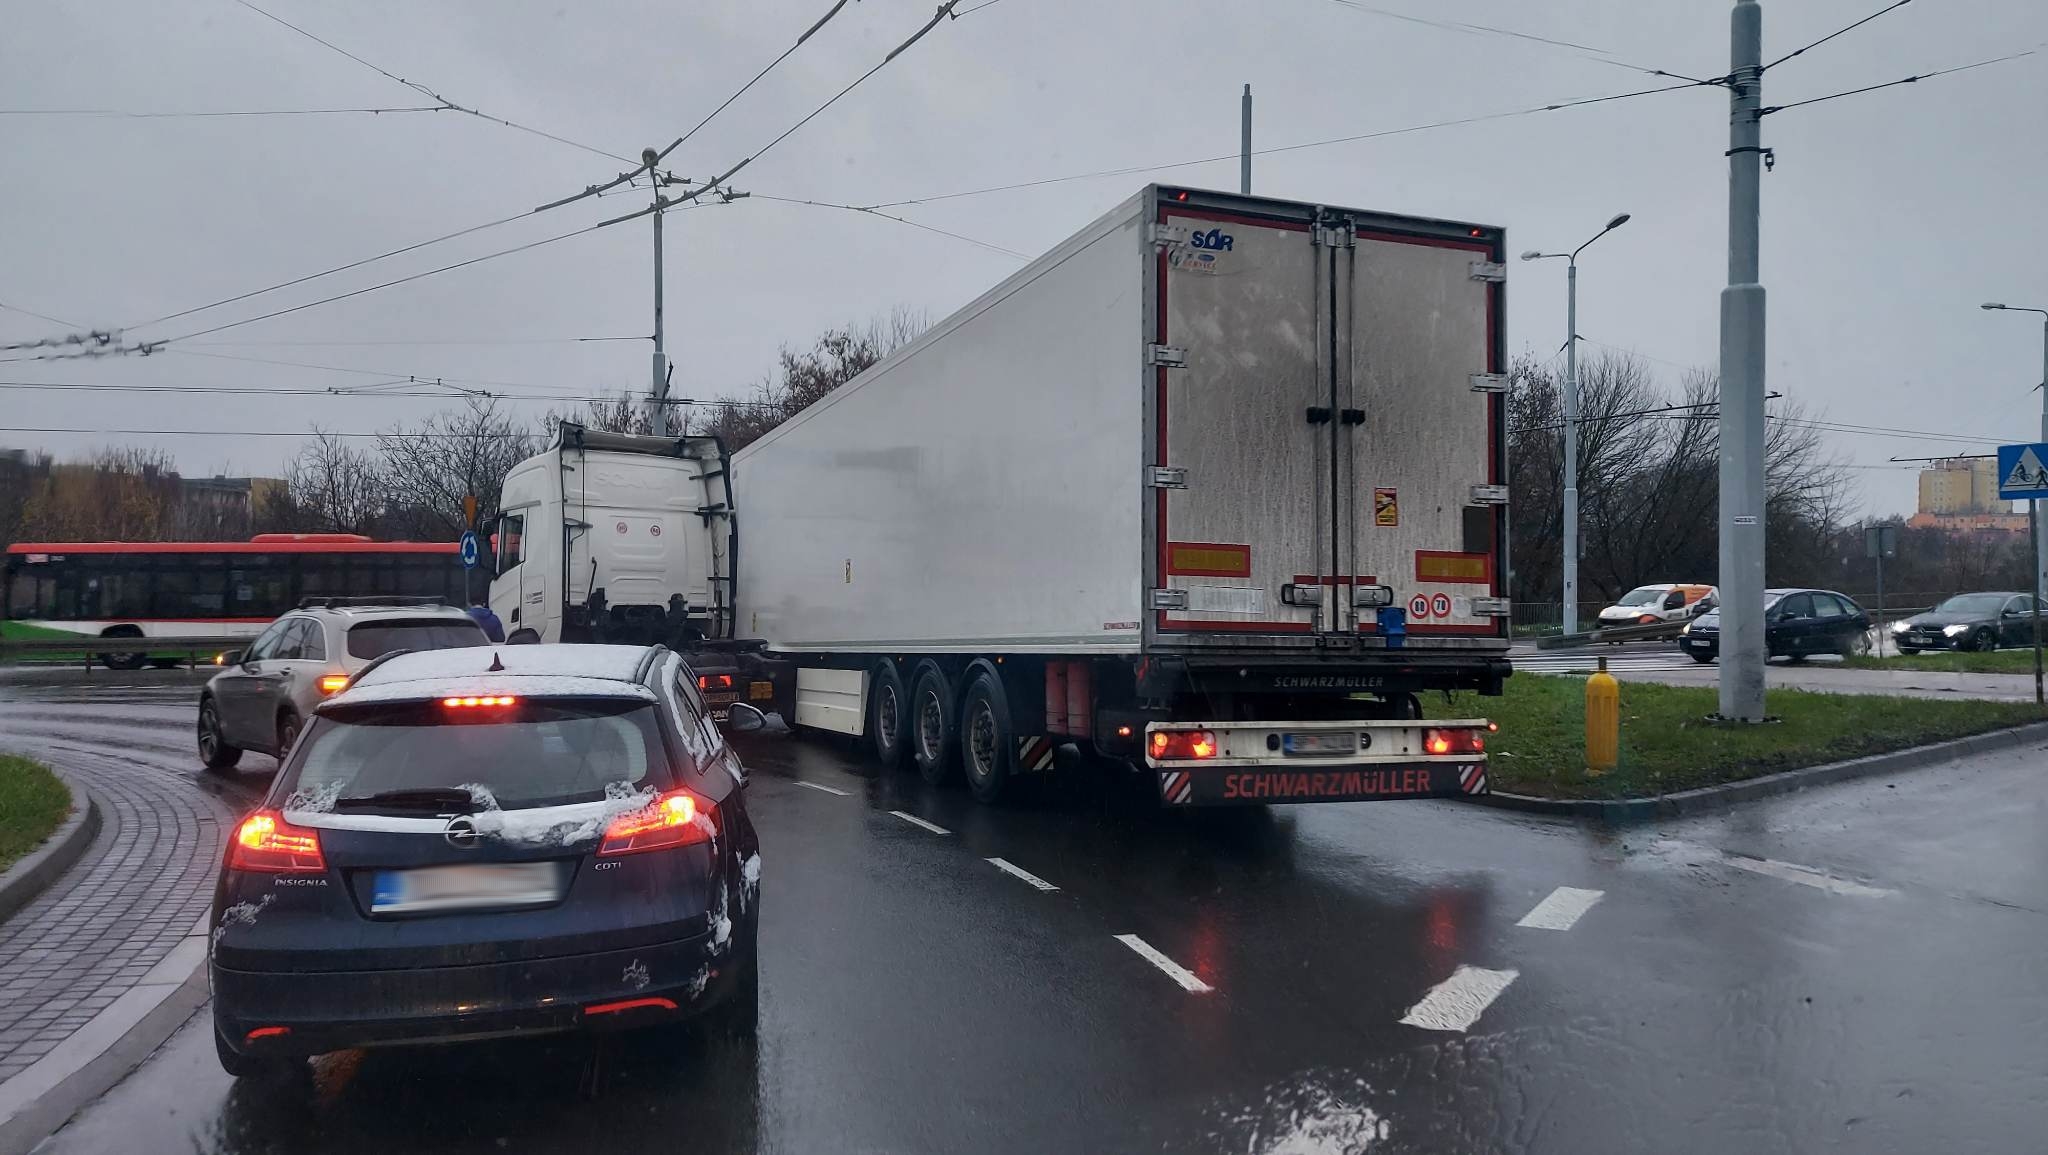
{"points": [[1742, 384], [1244, 151]]}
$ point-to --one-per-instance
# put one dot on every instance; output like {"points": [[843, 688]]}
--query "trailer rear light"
{"points": [[1168, 745], [655, 1004], [333, 683], [266, 842], [486, 700], [1464, 741], [674, 819], [1305, 594], [714, 681]]}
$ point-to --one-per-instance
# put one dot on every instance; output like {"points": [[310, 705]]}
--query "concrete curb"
{"points": [[1685, 802], [39, 1100], [34, 873]]}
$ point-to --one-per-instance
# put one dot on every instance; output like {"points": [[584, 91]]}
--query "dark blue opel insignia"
{"points": [[483, 842]]}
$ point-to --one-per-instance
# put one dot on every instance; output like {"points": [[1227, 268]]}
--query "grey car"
{"points": [[263, 695]]}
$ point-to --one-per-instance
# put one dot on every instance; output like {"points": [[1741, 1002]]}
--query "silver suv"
{"points": [[263, 695]]}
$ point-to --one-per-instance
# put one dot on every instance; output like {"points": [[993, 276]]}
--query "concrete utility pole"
{"points": [[2040, 543], [657, 419], [1742, 383], [1571, 418], [1244, 151]]}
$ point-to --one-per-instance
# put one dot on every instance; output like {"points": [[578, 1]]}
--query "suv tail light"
{"points": [[676, 818], [266, 842], [1166, 745], [1462, 741]]}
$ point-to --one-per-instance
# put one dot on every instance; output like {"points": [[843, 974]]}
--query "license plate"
{"points": [[1699, 643], [1319, 743], [721, 698], [465, 887]]}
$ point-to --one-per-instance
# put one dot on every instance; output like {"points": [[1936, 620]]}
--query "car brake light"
{"points": [[669, 821], [266, 842], [488, 700], [265, 1033], [333, 683], [1178, 744], [714, 681], [1472, 741]]}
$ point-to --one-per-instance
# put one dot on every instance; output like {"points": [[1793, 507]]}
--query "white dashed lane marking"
{"points": [[1564, 906], [1012, 868], [826, 789], [1457, 1002], [1806, 876], [1174, 970], [914, 820]]}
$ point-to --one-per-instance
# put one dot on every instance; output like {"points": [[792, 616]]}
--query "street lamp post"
{"points": [[1571, 418], [2040, 547]]}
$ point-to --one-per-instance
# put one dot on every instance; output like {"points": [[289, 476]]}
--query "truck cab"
{"points": [[610, 537]]}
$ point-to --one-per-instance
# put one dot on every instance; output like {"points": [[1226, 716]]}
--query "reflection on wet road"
{"points": [[972, 981]]}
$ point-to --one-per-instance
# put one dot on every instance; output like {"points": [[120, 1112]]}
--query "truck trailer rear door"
{"points": [[1322, 418]]}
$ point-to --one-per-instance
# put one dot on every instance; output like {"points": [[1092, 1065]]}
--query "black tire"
{"points": [[933, 728], [132, 661], [214, 750], [288, 727], [275, 1069], [1909, 650], [988, 744], [1702, 658], [1982, 642], [523, 638], [888, 722]]}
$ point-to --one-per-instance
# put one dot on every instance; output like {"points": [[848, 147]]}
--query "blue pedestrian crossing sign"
{"points": [[472, 552], [2022, 473]]}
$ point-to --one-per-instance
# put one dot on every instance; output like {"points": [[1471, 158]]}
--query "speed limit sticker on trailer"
{"points": [[1418, 606]]}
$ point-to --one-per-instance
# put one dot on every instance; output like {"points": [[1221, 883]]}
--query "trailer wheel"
{"points": [[888, 716], [932, 742], [987, 743]]}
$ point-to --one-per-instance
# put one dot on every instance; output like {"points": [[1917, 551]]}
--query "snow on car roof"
{"points": [[477, 685], [532, 671]]}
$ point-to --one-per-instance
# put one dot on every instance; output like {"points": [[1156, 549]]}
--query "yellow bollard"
{"points": [[1603, 722]]}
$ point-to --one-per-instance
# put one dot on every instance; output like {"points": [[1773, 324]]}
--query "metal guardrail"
{"points": [[1612, 634], [194, 651]]}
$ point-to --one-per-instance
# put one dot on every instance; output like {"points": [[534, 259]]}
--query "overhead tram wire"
{"points": [[1456, 122], [994, 248], [40, 316], [1893, 7], [444, 103], [346, 393], [1768, 109], [121, 114], [1583, 51], [718, 182]]}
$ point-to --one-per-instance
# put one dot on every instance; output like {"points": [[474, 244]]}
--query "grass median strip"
{"points": [[32, 804], [1667, 744], [1949, 661]]}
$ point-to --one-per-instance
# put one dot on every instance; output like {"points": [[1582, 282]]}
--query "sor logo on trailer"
{"points": [[1215, 239]]}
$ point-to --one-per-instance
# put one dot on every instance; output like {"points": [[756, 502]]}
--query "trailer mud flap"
{"points": [[1230, 786]]}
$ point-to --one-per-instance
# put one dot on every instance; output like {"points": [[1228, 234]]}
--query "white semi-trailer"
{"points": [[1213, 489]]}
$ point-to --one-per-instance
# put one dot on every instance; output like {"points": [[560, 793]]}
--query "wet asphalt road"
{"points": [[1859, 968]]}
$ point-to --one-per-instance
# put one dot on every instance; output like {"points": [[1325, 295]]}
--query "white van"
{"points": [[1648, 605]]}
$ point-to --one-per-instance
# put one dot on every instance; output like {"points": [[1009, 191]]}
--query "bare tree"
{"points": [[803, 378], [617, 413], [429, 468], [330, 487]]}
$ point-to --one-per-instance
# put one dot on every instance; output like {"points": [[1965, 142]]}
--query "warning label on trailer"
{"points": [[1386, 507]]}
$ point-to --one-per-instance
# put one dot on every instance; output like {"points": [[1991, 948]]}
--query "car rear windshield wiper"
{"points": [[439, 799]]}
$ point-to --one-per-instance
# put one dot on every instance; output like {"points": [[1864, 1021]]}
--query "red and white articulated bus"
{"points": [[174, 589]]}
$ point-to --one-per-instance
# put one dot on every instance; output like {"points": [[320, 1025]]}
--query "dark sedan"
{"points": [[556, 840], [1797, 623], [1980, 622]]}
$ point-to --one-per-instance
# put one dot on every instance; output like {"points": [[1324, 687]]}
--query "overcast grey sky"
{"points": [[1889, 218]]}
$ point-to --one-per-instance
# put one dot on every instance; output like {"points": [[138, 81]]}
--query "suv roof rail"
{"points": [[335, 603], [379, 660]]}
